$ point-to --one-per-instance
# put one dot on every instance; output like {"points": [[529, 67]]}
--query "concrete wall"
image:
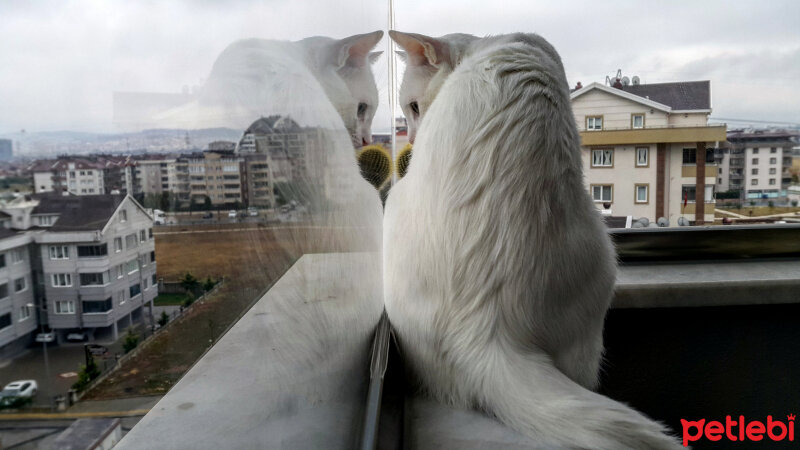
{"points": [[624, 176], [616, 111]]}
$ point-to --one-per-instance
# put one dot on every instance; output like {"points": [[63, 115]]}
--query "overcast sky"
{"points": [[60, 61]]}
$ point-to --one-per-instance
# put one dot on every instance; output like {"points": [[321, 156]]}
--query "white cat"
{"points": [[260, 77], [498, 271]]}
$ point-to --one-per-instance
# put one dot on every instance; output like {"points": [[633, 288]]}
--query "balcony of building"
{"points": [[306, 366], [671, 134]]}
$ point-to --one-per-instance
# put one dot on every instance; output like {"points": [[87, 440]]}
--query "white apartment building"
{"points": [[648, 148], [758, 164]]}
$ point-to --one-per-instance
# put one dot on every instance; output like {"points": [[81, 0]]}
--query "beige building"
{"points": [[648, 147], [216, 174]]}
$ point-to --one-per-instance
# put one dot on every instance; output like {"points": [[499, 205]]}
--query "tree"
{"points": [[190, 283], [771, 204], [209, 284], [131, 340], [794, 203], [164, 319], [86, 374], [207, 203]]}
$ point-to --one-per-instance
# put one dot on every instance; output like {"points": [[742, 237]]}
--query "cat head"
{"points": [[342, 66], [429, 61]]}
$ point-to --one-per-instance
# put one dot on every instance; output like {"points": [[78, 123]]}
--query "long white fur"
{"points": [[497, 269]]}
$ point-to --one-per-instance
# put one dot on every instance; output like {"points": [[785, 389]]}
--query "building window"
{"points": [[62, 279], [24, 312], [133, 265], [773, 160], [709, 194], [97, 306], [688, 192], [3, 290], [121, 297], [59, 252], [130, 241], [92, 251], [5, 320], [753, 171], [594, 122], [773, 150], [154, 280], [20, 284], [17, 255], [135, 290], [755, 160], [150, 233], [773, 171], [94, 279], [637, 121], [65, 307], [772, 181], [754, 181], [603, 193], [690, 156], [117, 244], [603, 158], [143, 236], [123, 215], [755, 151], [2, 260], [642, 193], [642, 156], [153, 256]]}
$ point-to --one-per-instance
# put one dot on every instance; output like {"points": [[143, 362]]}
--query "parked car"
{"points": [[99, 350], [252, 212], [232, 214], [46, 337], [208, 215], [78, 336], [16, 390]]}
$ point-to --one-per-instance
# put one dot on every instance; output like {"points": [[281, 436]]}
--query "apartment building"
{"points": [[757, 163], [80, 176], [647, 149], [17, 307], [83, 263], [216, 175], [151, 175], [98, 265]]}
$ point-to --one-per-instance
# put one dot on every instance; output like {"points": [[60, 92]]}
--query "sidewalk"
{"points": [[123, 407]]}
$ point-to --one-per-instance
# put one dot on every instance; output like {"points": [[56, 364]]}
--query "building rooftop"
{"points": [[79, 213], [684, 95]]}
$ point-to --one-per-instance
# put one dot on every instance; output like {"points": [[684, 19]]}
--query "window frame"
{"points": [[594, 121], [52, 250], [591, 160], [67, 279], [601, 185], [636, 187], [647, 157], [70, 306], [633, 121]]}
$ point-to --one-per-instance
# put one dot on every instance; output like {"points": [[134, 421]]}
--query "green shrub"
{"points": [[771, 204], [164, 319], [209, 284], [131, 340], [794, 203], [86, 374]]}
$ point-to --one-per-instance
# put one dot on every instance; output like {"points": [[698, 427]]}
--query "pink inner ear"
{"points": [[421, 50]]}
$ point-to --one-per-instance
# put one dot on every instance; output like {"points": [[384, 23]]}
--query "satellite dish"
{"points": [[683, 222], [626, 81], [635, 80], [637, 224], [644, 221], [663, 222]]}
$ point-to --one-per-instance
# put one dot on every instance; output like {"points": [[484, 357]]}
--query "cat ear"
{"points": [[402, 55], [354, 50], [373, 57], [421, 49]]}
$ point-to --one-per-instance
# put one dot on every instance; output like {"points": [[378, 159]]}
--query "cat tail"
{"points": [[529, 394]]}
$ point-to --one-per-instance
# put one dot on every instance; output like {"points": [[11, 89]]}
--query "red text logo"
{"points": [[738, 430]]}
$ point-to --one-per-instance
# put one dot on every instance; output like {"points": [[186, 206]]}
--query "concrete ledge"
{"points": [[707, 284]]}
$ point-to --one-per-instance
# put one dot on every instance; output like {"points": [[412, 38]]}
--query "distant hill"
{"points": [[52, 143]]}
